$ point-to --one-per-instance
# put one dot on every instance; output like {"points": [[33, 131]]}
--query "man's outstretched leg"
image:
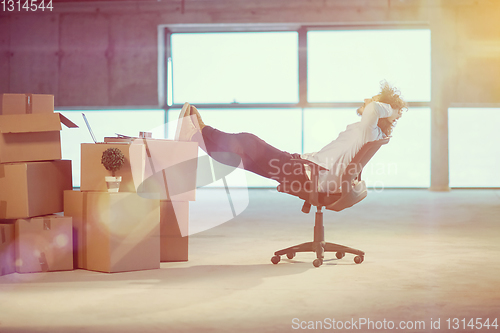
{"points": [[254, 153]]}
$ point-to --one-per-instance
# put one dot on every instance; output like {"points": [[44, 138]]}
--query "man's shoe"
{"points": [[187, 124], [194, 112]]}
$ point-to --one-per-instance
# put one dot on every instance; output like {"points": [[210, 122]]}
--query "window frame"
{"points": [[302, 31]]}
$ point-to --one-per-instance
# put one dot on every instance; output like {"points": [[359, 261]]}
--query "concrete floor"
{"points": [[429, 256]]}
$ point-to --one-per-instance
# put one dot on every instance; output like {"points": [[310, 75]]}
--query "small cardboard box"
{"points": [[7, 251], [33, 188], [26, 103], [44, 244], [93, 172], [31, 137], [114, 232], [165, 169], [174, 224]]}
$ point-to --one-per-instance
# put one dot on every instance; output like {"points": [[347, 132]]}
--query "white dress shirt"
{"points": [[336, 155]]}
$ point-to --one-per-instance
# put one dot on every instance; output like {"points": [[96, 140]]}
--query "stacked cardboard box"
{"points": [[131, 229], [7, 254], [33, 178], [114, 232]]}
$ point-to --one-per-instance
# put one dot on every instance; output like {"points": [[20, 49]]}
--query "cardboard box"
{"points": [[93, 172], [114, 232], [33, 188], [162, 169], [7, 251], [174, 224], [44, 244], [31, 137], [26, 104]]}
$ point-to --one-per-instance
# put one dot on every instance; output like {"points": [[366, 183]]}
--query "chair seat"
{"points": [[324, 198]]}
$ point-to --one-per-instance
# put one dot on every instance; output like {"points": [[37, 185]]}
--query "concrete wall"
{"points": [[84, 59], [105, 53], [478, 50], [465, 65]]}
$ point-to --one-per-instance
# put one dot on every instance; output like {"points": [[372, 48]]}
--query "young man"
{"points": [[378, 116]]}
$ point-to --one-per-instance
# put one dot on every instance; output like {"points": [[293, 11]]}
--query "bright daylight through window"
{"points": [[343, 66]]}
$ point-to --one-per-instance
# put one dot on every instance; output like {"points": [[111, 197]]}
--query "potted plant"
{"points": [[113, 160]]}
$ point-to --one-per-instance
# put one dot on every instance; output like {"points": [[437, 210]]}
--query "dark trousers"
{"points": [[248, 151]]}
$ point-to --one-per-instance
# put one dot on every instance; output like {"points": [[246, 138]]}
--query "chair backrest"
{"points": [[352, 187]]}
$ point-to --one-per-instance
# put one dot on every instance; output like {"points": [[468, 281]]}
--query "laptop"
{"points": [[88, 126], [120, 136]]}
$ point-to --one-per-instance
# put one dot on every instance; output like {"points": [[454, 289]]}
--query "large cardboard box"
{"points": [[44, 244], [26, 103], [174, 224], [7, 251], [162, 169], [31, 137], [33, 188], [114, 232]]}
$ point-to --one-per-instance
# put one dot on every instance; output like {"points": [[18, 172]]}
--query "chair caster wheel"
{"points": [[359, 259], [317, 262], [290, 255], [340, 255], [276, 259]]}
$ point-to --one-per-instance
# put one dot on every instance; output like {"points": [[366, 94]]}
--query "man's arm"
{"points": [[373, 112]]}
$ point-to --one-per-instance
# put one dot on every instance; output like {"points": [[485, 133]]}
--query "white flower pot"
{"points": [[113, 183]]}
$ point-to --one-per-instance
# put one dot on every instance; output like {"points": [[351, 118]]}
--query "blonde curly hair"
{"points": [[392, 96]]}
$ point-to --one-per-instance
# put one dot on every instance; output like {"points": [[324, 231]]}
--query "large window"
{"points": [[347, 65], [474, 157], [258, 67], [300, 98]]}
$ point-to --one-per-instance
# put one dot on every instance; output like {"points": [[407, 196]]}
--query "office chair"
{"points": [[353, 190]]}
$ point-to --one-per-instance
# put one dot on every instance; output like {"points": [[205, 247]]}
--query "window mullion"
{"points": [[302, 34]]}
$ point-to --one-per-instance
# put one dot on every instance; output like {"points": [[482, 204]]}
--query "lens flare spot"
{"points": [[61, 240], [19, 262]]}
